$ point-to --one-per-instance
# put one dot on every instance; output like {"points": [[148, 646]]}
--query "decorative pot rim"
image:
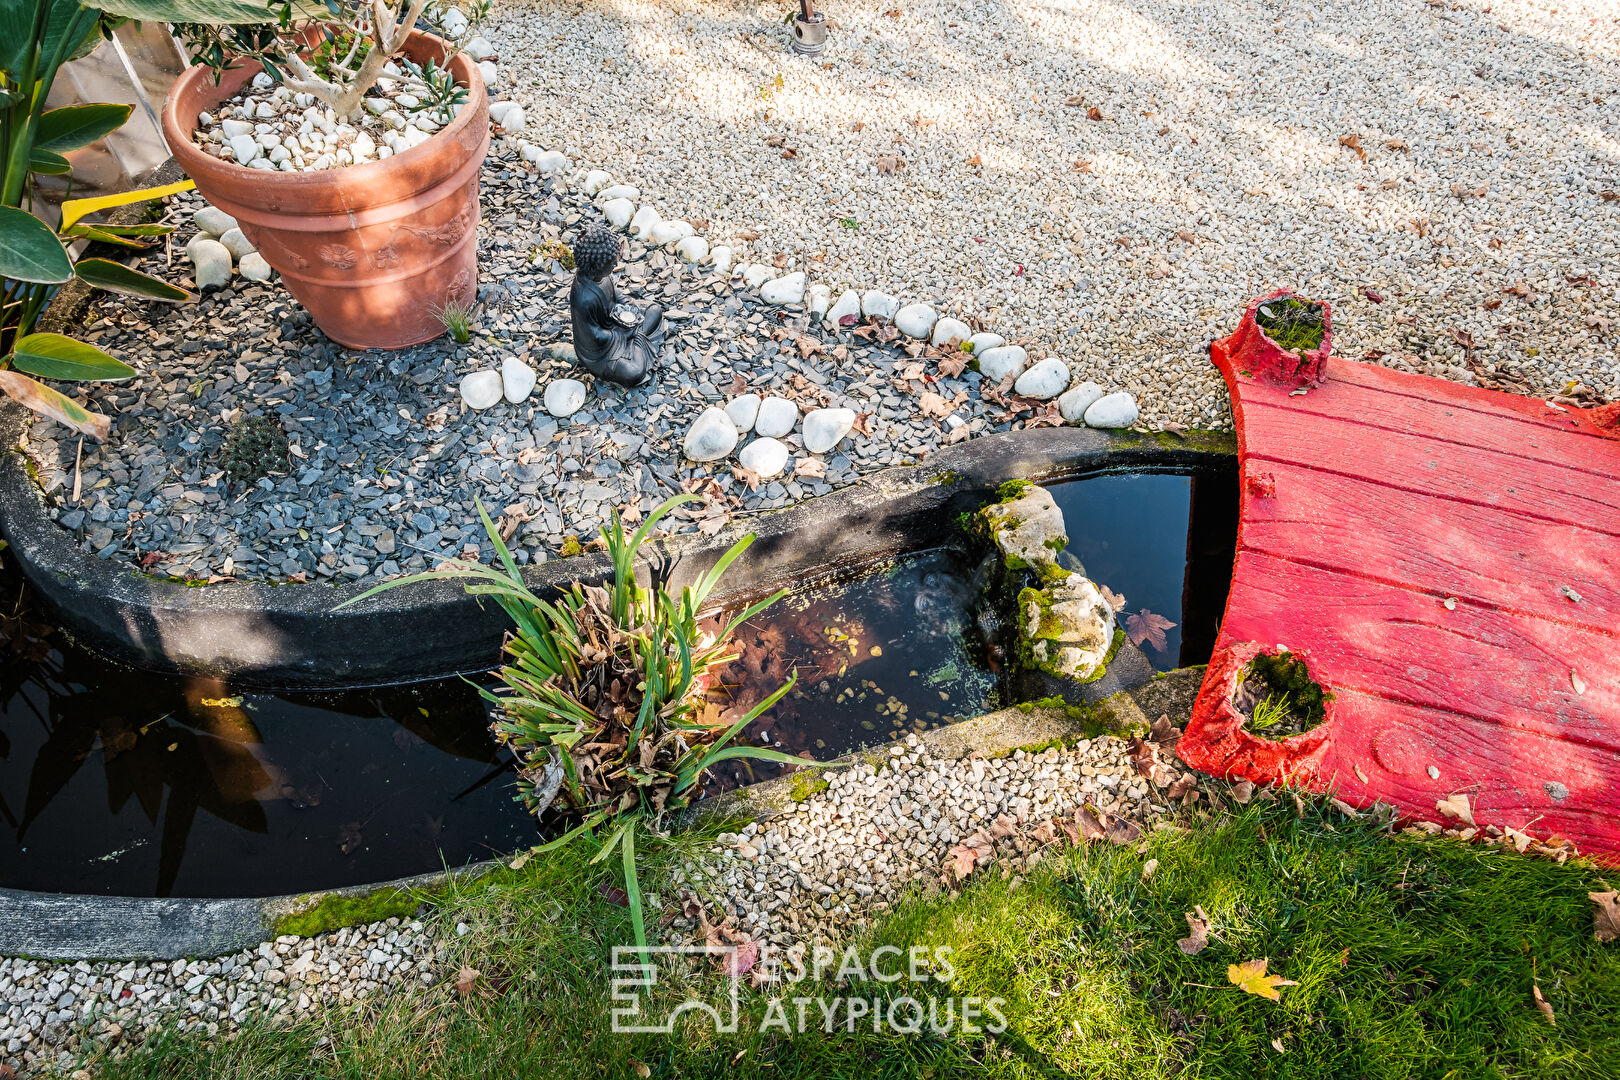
{"points": [[187, 152]]}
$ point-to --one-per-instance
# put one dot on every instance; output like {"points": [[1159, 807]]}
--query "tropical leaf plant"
{"points": [[36, 38], [604, 695]]}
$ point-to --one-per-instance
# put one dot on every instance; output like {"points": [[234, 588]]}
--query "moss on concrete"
{"points": [[333, 912], [806, 784]]}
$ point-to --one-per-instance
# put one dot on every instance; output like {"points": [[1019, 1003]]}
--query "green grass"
{"points": [[1414, 958]]}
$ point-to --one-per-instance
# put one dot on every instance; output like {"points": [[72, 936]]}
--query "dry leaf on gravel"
{"points": [[1605, 915], [952, 366], [1146, 626], [962, 859], [809, 466], [1354, 143], [890, 163], [1197, 939], [1164, 732], [1250, 977], [1094, 113]]}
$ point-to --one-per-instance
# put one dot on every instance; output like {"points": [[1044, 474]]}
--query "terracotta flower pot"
{"points": [[371, 250]]}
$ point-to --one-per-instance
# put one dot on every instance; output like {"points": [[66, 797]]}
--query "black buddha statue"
{"points": [[610, 349]]}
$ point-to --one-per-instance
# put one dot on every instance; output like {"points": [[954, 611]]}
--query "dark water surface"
{"points": [[127, 783]]}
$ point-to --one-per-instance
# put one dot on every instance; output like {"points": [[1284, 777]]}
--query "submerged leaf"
{"points": [[1147, 626]]}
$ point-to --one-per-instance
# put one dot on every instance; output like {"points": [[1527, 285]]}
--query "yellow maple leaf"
{"points": [[1251, 978]]}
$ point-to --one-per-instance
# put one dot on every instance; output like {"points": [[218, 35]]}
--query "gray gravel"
{"points": [[1215, 174]]}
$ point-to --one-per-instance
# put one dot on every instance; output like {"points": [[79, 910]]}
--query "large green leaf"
{"points": [[54, 356], [29, 251], [116, 277], [91, 232], [206, 11], [48, 162], [17, 33], [73, 126], [58, 406]]}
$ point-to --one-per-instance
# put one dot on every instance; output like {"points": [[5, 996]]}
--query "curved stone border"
{"points": [[72, 927], [257, 634]]}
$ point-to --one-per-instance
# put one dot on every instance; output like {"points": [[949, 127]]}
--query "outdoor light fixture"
{"points": [[809, 29]]}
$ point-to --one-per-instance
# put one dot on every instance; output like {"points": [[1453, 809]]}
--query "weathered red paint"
{"points": [[1447, 561], [1262, 358]]}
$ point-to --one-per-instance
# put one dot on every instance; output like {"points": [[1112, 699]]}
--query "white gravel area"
{"points": [[56, 1018], [1111, 182]]}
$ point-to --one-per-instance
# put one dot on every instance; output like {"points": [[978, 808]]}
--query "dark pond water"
{"points": [[126, 783]]}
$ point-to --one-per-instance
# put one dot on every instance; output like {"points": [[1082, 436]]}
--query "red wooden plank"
{"points": [[1439, 546], [1476, 398], [1509, 776], [1510, 434], [1414, 462], [1407, 646]]}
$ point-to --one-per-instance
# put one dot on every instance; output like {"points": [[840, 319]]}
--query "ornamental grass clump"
{"points": [[604, 694]]}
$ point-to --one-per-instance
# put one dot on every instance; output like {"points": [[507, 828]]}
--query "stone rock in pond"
{"points": [[721, 257], [983, 343], [481, 389], [826, 428], [1074, 402], [1067, 626], [693, 249], [213, 221], [596, 180], [618, 212], [785, 290], [817, 299], [1113, 411], [672, 231], [916, 320], [712, 436], [1045, 381], [1027, 527], [880, 304], [764, 457], [643, 222], [949, 332], [776, 417], [210, 263], [517, 380], [743, 411], [547, 162], [848, 305], [236, 243], [996, 364], [254, 267], [564, 397]]}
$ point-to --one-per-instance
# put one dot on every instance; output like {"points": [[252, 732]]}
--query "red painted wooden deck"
{"points": [[1369, 501]]}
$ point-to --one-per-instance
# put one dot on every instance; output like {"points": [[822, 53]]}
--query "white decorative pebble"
{"points": [[996, 364], [764, 457], [669, 231], [213, 221], [826, 428], [618, 213], [693, 249], [642, 224], [785, 290], [517, 380], [916, 320], [721, 257], [1113, 411], [479, 49], [236, 243], [711, 437], [949, 332], [776, 417], [1045, 381], [1074, 402], [595, 181], [754, 275], [743, 411], [481, 389], [880, 304], [847, 306], [254, 267], [547, 162], [618, 191], [210, 263], [564, 397], [817, 299], [984, 342]]}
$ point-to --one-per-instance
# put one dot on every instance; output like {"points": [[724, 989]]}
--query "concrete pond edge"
{"points": [[289, 636], [64, 927]]}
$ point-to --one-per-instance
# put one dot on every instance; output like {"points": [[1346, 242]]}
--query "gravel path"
{"points": [[1216, 170]]}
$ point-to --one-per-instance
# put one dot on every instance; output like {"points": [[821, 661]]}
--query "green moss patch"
{"points": [[806, 784], [338, 911], [1292, 322], [1278, 698]]}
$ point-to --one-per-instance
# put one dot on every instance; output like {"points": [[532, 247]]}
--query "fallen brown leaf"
{"points": [[1456, 806], [1354, 143], [890, 163], [1541, 1004], [1605, 915], [1197, 939], [1250, 977], [466, 980], [1147, 626], [1094, 113]]}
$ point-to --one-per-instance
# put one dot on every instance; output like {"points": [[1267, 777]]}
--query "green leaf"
{"points": [[54, 356], [48, 162], [116, 277], [73, 126], [152, 229], [29, 251], [17, 37], [213, 12], [94, 232]]}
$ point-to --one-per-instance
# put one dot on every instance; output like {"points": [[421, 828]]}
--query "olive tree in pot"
{"points": [[375, 234]]}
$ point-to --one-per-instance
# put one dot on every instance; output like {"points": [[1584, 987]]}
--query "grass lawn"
{"points": [[1413, 958]]}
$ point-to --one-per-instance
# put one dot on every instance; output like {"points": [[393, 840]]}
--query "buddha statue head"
{"points": [[596, 252]]}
